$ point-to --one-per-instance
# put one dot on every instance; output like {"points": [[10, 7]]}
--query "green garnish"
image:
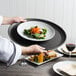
{"points": [[35, 32]]}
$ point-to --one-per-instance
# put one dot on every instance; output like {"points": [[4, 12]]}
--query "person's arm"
{"points": [[1, 19], [10, 52], [11, 20]]}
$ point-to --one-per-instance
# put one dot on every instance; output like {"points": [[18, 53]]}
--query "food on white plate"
{"points": [[35, 32], [43, 57]]}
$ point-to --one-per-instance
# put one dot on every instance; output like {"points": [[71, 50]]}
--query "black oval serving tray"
{"points": [[56, 41]]}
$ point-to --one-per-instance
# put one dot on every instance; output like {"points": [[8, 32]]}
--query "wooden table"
{"points": [[30, 69]]}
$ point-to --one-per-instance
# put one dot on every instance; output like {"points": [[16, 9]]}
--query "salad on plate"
{"points": [[35, 32]]}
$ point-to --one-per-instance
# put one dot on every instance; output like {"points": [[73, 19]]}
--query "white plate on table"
{"points": [[68, 67], [27, 25], [64, 50], [58, 56]]}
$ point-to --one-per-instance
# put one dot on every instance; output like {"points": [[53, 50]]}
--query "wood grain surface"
{"points": [[31, 69]]}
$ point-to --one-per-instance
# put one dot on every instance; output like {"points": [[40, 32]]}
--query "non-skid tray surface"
{"points": [[56, 41]]}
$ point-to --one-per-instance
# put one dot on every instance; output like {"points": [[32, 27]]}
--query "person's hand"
{"points": [[11, 20], [18, 19], [33, 49]]}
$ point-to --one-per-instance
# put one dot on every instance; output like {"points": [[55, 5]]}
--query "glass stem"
{"points": [[70, 54]]}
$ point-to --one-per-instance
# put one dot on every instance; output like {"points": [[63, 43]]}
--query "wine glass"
{"points": [[70, 47]]}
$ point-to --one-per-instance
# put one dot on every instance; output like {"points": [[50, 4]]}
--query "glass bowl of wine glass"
{"points": [[70, 47]]}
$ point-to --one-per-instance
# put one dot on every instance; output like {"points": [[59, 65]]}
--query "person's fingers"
{"points": [[41, 50], [39, 47], [18, 19], [22, 19]]}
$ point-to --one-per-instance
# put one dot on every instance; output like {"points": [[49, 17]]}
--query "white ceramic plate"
{"points": [[27, 25], [58, 55], [64, 50], [67, 66]]}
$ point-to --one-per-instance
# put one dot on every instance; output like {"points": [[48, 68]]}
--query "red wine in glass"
{"points": [[70, 47]]}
